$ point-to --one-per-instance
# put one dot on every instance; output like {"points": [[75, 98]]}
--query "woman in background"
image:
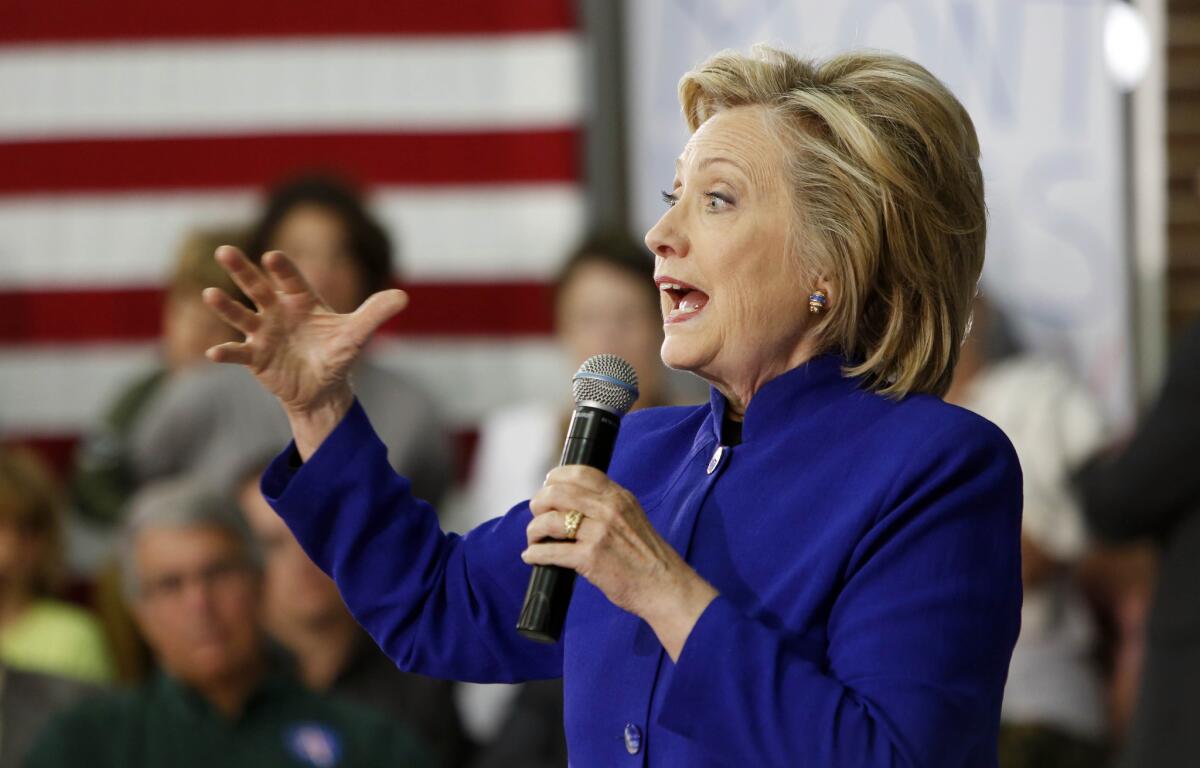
{"points": [[105, 476], [39, 633], [218, 421]]}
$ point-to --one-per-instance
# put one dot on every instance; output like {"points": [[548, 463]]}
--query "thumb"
{"points": [[377, 310]]}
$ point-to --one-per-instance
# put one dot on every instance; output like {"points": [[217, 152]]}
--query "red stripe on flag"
{"points": [[40, 21], [112, 165], [47, 317], [129, 315], [476, 309], [58, 451]]}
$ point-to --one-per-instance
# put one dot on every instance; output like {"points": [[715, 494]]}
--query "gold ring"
{"points": [[571, 523]]}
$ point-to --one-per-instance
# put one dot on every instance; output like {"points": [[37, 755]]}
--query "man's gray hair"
{"points": [[183, 502]]}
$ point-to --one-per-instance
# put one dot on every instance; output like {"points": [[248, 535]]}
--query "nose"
{"points": [[198, 596], [665, 239]]}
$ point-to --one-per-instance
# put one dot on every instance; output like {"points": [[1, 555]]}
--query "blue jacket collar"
{"points": [[803, 389]]}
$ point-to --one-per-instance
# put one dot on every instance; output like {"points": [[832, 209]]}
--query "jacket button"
{"points": [[715, 460], [633, 739]]}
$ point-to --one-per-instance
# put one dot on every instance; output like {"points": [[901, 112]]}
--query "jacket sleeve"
{"points": [[920, 634], [438, 604], [1145, 489]]}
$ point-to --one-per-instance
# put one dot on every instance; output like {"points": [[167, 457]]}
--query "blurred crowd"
{"points": [[204, 631]]}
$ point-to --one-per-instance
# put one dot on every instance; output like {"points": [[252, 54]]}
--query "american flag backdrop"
{"points": [[124, 124]]}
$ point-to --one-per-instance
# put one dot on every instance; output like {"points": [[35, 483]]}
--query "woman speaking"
{"points": [[820, 567]]}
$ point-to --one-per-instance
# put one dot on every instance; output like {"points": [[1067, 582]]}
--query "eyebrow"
{"points": [[706, 162], [714, 160]]}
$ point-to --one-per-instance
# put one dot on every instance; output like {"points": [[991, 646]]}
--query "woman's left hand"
{"points": [[617, 550]]}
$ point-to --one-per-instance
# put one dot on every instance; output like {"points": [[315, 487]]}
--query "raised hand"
{"points": [[299, 349]]}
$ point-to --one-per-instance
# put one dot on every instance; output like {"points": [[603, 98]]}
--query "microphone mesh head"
{"points": [[607, 380]]}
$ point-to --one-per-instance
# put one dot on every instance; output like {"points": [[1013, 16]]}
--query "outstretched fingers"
{"points": [[248, 277], [232, 312], [377, 310], [284, 273], [237, 352]]}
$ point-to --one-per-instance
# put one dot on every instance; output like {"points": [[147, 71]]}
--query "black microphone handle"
{"points": [[590, 441]]}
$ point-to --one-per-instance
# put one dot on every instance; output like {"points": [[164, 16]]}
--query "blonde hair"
{"points": [[888, 193], [195, 268], [31, 502]]}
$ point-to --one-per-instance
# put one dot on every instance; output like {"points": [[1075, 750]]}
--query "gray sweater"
{"points": [[218, 421]]}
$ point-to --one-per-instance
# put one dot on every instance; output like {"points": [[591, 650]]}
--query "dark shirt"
{"points": [[532, 734], [28, 700], [424, 705], [1152, 491], [731, 431], [1152, 487], [164, 723]]}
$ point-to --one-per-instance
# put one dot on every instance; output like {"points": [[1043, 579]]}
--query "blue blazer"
{"points": [[866, 551]]}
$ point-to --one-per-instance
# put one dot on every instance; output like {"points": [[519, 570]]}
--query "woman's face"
{"points": [[315, 239], [189, 328], [733, 303], [605, 309]]}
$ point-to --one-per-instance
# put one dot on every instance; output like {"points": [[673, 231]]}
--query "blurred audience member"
{"points": [[303, 612], [1053, 709], [1119, 583], [217, 419], [1151, 490], [37, 632], [193, 576], [605, 301], [104, 478], [28, 700]]}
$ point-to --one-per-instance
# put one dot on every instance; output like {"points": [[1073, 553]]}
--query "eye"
{"points": [[717, 201], [167, 585], [669, 198]]}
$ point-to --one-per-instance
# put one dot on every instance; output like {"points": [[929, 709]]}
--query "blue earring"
{"points": [[817, 301]]}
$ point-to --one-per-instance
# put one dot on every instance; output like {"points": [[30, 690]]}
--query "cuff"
{"points": [[707, 643], [289, 475], [713, 664]]}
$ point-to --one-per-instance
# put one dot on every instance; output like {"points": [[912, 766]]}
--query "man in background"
{"points": [[303, 612], [193, 576]]}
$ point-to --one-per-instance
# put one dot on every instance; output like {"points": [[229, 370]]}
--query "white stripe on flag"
{"points": [[476, 233], [187, 88], [64, 390]]}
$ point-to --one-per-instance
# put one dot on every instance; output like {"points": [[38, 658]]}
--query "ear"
{"points": [[825, 287]]}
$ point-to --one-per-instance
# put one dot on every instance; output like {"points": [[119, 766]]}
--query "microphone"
{"points": [[605, 388]]}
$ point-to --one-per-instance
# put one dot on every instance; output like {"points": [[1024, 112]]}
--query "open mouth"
{"points": [[686, 301]]}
